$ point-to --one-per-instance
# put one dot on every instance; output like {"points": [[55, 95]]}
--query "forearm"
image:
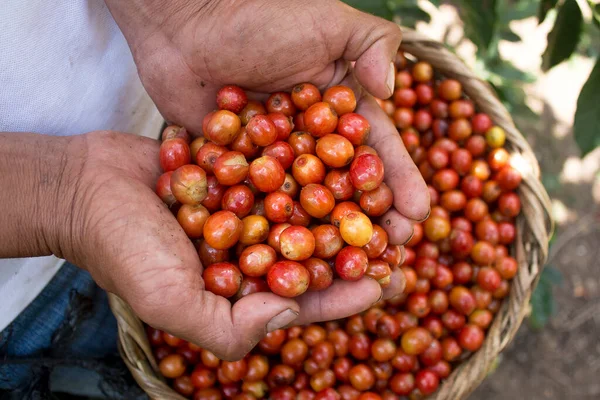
{"points": [[38, 179]]}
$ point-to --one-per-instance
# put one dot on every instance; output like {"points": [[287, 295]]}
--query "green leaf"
{"points": [[410, 14], [543, 304], [587, 117], [507, 34], [380, 8], [545, 6], [507, 70], [564, 36], [511, 10], [481, 20], [595, 12]]}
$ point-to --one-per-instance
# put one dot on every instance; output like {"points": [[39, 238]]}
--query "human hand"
{"points": [[186, 50], [129, 241]]}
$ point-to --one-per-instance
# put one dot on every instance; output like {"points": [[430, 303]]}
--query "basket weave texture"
{"points": [[530, 248]]}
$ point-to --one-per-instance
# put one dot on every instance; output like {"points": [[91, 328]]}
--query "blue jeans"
{"points": [[65, 341]]}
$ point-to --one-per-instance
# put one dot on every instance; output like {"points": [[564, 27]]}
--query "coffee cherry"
{"points": [[379, 271], [471, 337], [402, 384], [426, 381], [416, 340], [339, 183], [222, 127], [256, 260], [355, 128], [297, 243], [321, 274], [223, 279], [341, 98], [174, 153], [356, 229], [437, 228], [189, 184], [266, 174], [284, 125], [335, 150], [378, 243], [509, 204], [207, 156], [361, 377], [320, 119], [281, 102], [405, 97], [481, 123], [307, 169], [392, 255], [279, 207], [222, 230], [351, 263], [192, 219], [288, 279], [317, 200], [422, 72], [462, 300], [243, 144], [305, 95], [328, 241], [450, 89], [459, 129], [239, 200], [498, 159], [282, 152], [172, 366], [232, 98], [507, 267], [366, 172], [495, 137], [290, 186]]}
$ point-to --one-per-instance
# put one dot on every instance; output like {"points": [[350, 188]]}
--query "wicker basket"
{"points": [[530, 248]]}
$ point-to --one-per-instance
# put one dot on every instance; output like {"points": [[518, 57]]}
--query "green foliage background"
{"points": [[486, 22]]}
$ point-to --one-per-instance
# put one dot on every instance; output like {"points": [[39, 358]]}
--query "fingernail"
{"points": [[427, 216], [379, 299], [391, 78], [403, 252], [410, 237], [282, 320]]}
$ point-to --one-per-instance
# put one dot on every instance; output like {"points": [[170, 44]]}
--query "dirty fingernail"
{"points": [[282, 320], [391, 78]]}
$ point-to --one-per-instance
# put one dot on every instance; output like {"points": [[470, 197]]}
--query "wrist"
{"points": [[43, 173]]}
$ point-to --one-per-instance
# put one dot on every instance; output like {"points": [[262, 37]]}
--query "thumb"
{"points": [[372, 43], [231, 332]]}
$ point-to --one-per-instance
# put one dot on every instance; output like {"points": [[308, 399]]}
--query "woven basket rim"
{"points": [[531, 245]]}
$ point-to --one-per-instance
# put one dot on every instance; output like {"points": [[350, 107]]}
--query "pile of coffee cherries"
{"points": [[457, 263], [280, 205]]}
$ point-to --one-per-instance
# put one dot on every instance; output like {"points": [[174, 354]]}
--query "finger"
{"points": [[411, 196], [373, 43], [398, 227], [340, 300], [159, 274], [397, 284]]}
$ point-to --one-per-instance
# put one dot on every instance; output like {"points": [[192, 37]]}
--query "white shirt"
{"points": [[65, 69]]}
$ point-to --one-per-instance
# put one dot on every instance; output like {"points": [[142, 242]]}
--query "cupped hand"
{"points": [[129, 241], [185, 51]]}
